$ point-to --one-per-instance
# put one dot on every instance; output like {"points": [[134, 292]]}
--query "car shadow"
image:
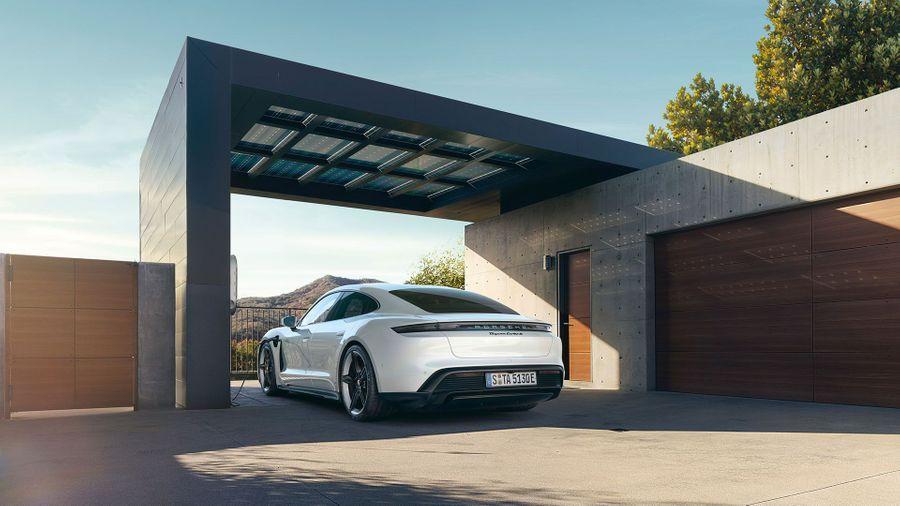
{"points": [[278, 449], [619, 411]]}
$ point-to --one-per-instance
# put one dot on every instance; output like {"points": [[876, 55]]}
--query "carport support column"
{"points": [[185, 217], [208, 192]]}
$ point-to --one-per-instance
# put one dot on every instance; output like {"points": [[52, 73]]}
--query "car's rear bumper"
{"points": [[464, 388]]}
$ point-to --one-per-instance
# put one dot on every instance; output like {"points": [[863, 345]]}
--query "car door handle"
{"points": [[339, 333], [305, 339]]}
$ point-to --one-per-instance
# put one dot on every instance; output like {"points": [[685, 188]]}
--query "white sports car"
{"points": [[377, 347]]}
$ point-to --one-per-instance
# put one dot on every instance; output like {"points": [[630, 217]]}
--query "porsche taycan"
{"points": [[380, 347]]}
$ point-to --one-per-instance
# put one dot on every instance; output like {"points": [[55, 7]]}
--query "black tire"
{"points": [[524, 407], [359, 388], [265, 371]]}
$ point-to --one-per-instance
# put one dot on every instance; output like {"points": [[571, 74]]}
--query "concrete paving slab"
{"points": [[588, 446]]}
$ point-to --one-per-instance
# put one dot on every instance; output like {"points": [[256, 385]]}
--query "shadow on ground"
{"points": [[302, 449], [607, 410]]}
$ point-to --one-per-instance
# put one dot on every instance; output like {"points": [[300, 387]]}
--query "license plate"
{"points": [[510, 379]]}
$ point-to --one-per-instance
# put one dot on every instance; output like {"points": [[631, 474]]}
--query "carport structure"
{"points": [[233, 121]]}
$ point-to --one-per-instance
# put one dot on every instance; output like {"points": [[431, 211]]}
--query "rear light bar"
{"points": [[472, 326]]}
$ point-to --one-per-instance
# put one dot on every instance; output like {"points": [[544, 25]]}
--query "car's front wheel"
{"points": [[266, 370], [359, 390]]}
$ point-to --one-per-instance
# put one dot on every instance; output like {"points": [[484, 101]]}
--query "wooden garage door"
{"points": [[798, 305], [71, 333]]}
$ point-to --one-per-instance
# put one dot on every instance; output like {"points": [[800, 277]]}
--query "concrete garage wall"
{"points": [[843, 151]]}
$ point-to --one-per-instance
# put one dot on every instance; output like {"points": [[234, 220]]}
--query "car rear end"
{"points": [[487, 360]]}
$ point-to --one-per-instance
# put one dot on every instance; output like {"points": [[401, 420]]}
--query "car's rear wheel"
{"points": [[266, 370], [359, 389]]}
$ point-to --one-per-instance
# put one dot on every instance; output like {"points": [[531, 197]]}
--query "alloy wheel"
{"points": [[265, 369], [355, 383]]}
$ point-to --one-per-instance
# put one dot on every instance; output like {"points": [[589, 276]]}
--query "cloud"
{"points": [[38, 218], [71, 190], [49, 235], [100, 155], [66, 241]]}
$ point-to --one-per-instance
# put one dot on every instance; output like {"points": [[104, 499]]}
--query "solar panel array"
{"points": [[291, 144]]}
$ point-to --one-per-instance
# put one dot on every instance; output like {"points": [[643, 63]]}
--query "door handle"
{"points": [[305, 339], [339, 333]]}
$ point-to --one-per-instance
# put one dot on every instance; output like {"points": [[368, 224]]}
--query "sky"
{"points": [[82, 82]]}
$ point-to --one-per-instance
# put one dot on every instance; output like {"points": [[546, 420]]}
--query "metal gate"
{"points": [[70, 333], [248, 325]]}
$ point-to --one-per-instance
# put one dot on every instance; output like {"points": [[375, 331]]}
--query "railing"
{"points": [[248, 325]]}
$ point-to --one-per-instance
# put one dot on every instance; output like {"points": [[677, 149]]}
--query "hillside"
{"points": [[304, 296]]}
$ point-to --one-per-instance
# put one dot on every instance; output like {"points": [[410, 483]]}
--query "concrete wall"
{"points": [[184, 179], [839, 152], [156, 337]]}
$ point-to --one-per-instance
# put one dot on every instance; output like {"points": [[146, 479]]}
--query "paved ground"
{"points": [[585, 447]]}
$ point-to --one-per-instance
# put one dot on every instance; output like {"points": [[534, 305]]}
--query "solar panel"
{"points": [[406, 138], [459, 149], [377, 155], [283, 113], [288, 169], [427, 163], [347, 126], [476, 170], [509, 158], [393, 147], [321, 145], [242, 162], [338, 175], [384, 183], [430, 190], [264, 136]]}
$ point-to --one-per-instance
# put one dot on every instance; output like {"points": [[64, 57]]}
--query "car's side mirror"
{"points": [[289, 321]]}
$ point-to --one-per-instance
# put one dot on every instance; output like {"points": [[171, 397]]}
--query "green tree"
{"points": [[816, 55], [441, 267], [704, 116]]}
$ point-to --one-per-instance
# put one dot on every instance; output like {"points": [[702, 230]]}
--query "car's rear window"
{"points": [[449, 300]]}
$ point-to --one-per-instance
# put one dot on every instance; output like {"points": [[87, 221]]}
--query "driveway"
{"points": [[585, 447]]}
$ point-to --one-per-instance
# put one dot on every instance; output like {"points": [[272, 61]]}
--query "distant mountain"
{"points": [[304, 296]]}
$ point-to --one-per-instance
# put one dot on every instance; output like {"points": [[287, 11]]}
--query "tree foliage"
{"points": [[704, 116], [441, 267], [816, 55]]}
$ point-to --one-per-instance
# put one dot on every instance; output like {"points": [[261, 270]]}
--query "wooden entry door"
{"points": [[575, 314], [71, 333]]}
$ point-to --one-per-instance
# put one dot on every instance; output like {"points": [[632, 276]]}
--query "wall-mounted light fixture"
{"points": [[549, 262]]}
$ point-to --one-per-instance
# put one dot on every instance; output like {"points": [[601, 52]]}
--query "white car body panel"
{"points": [[403, 362]]}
